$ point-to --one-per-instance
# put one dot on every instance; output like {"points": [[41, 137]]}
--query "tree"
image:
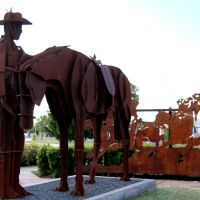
{"points": [[47, 125], [134, 90]]}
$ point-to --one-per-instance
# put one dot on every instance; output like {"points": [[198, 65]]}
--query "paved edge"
{"points": [[127, 191]]}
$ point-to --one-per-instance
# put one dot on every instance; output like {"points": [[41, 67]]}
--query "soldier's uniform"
{"points": [[11, 135]]}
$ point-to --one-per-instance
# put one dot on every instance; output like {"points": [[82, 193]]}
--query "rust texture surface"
{"points": [[80, 88], [76, 87]]}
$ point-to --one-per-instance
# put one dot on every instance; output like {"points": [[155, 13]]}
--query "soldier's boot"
{"points": [[2, 176], [6, 189], [16, 164]]}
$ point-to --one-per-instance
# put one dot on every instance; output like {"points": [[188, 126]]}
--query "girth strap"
{"points": [[108, 79], [107, 76]]}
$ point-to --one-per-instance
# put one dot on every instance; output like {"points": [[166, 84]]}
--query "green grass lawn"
{"points": [[168, 194], [53, 140]]}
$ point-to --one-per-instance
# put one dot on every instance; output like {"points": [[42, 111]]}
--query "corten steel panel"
{"points": [[143, 162], [171, 135], [194, 163]]}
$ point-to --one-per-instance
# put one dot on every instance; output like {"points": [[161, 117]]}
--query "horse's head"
{"points": [[32, 90], [32, 80]]}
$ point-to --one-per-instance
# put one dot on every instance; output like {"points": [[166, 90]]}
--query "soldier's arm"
{"points": [[2, 67]]}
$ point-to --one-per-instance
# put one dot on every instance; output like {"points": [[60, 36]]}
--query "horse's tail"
{"points": [[121, 126], [123, 108], [125, 94]]}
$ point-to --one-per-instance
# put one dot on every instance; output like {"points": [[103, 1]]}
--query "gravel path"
{"points": [[46, 191]]}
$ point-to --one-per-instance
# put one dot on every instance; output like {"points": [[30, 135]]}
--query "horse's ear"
{"points": [[37, 87]]}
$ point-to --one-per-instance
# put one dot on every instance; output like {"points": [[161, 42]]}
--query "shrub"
{"points": [[112, 158], [53, 155], [71, 161], [42, 161], [49, 161], [29, 155]]}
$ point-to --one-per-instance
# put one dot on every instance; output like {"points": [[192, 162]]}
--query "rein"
{"points": [[23, 95], [29, 115], [12, 69], [24, 114]]}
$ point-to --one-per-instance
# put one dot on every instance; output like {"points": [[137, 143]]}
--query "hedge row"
{"points": [[48, 159], [29, 155]]}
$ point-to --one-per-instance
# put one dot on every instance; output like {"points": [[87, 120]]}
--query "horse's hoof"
{"points": [[62, 189], [21, 191], [77, 193], [11, 195]]}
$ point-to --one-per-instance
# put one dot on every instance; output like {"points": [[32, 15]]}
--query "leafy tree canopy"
{"points": [[134, 91]]}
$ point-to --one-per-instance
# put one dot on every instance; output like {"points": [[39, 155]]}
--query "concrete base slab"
{"points": [[109, 188], [127, 191]]}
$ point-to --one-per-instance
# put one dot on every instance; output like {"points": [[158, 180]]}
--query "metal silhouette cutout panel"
{"points": [[166, 146]]}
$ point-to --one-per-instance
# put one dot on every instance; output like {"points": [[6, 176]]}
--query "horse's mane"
{"points": [[46, 53]]}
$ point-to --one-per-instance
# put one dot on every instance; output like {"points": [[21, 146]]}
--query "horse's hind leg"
{"points": [[97, 123], [79, 150], [63, 126], [123, 126]]}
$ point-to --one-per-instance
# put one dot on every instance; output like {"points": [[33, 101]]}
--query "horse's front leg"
{"points": [[79, 151], [97, 123], [64, 157]]}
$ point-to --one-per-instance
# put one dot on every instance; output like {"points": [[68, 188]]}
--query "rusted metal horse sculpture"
{"points": [[75, 88]]}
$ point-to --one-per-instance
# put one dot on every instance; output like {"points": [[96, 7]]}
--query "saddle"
{"points": [[92, 90], [106, 75]]}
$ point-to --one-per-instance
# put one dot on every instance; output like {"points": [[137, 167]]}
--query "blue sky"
{"points": [[155, 42]]}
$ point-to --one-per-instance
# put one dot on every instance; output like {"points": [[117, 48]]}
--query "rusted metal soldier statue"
{"points": [[11, 135]]}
